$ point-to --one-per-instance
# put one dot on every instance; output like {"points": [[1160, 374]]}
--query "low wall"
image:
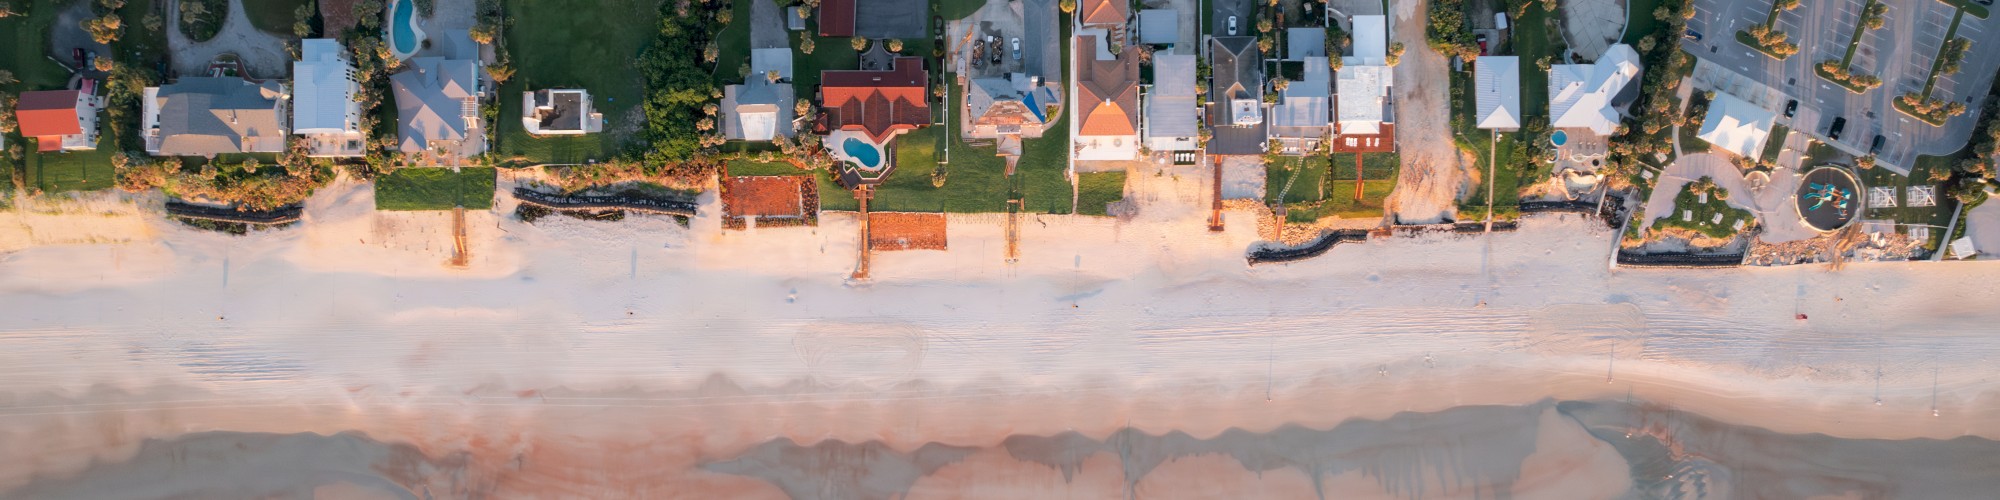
{"points": [[681, 207], [1326, 241], [283, 215], [1679, 260]]}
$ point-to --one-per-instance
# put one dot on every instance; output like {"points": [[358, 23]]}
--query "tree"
{"points": [[1788, 4], [1865, 162], [724, 16], [152, 22], [803, 107], [1263, 25], [806, 44], [103, 64], [1264, 44], [1280, 84], [1067, 6], [771, 76], [895, 45], [710, 109], [858, 43], [1335, 63], [501, 72], [7, 77], [104, 29], [1395, 53]]}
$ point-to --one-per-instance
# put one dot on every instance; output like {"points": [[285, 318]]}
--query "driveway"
{"points": [[1900, 53], [1433, 170], [767, 25], [1246, 18], [263, 54]]}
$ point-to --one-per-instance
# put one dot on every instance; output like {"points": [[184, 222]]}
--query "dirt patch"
{"points": [[771, 200], [1434, 170], [338, 15], [889, 231]]}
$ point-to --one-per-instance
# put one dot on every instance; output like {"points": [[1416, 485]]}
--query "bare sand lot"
{"points": [[1119, 357]]}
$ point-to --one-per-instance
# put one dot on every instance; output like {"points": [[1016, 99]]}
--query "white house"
{"points": [[757, 111], [559, 112], [1590, 96], [1362, 84], [324, 111], [1497, 92], [1737, 126], [1171, 124]]}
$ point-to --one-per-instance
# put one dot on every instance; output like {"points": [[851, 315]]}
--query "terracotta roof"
{"points": [[877, 102], [48, 113], [1105, 12], [836, 18], [1107, 91]]}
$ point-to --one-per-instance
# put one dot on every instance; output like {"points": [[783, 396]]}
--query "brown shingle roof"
{"points": [[877, 102], [1107, 91], [1105, 12]]}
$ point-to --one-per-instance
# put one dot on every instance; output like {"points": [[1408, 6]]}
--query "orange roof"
{"points": [[877, 102], [48, 113], [1105, 12], [1107, 91]]}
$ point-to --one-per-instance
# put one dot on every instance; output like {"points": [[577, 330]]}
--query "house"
{"points": [[1301, 43], [1364, 120], [1737, 126], [757, 111], [59, 120], [1593, 96], [1018, 105], [1107, 100], [1303, 114], [764, 62], [863, 110], [1496, 90], [1103, 13], [1170, 109], [559, 112], [1236, 96], [1159, 26], [437, 108], [208, 116], [324, 111]]}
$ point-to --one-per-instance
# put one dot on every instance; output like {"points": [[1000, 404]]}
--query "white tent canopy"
{"points": [[1737, 126], [1498, 86]]}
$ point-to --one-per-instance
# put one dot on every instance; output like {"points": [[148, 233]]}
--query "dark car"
{"points": [[1838, 124], [1791, 108], [1482, 43], [1693, 35], [77, 55], [1876, 147]]}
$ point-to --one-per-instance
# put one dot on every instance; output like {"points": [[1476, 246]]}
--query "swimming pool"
{"points": [[403, 34], [862, 152], [1558, 138]]}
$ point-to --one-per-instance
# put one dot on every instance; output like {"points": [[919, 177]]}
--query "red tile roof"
{"points": [[877, 102], [836, 17], [48, 113], [1105, 12], [1107, 91]]}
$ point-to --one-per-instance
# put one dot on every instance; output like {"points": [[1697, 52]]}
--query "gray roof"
{"points": [[1159, 26], [1301, 43], [209, 116], [1236, 74], [758, 109], [1171, 110], [431, 101], [1305, 111]]}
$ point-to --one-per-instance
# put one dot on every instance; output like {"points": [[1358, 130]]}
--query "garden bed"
{"points": [[889, 231], [768, 199]]}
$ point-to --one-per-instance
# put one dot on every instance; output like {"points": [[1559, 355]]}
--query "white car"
{"points": [[1017, 48], [1232, 25]]}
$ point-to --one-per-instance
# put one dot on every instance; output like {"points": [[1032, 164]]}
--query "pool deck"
{"points": [[389, 29]]}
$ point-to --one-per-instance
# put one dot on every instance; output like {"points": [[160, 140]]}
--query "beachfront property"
{"points": [[1496, 88], [1107, 98], [59, 120], [862, 111], [1171, 124], [324, 111], [208, 116], [559, 112], [1236, 103], [1302, 118], [1364, 118], [1736, 126], [1592, 97], [1008, 110], [757, 111], [437, 109]]}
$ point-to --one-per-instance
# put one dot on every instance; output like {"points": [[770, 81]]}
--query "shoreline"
{"points": [[710, 343]]}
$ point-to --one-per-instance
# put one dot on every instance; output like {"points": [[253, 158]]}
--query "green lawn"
{"points": [[1507, 176], [73, 171], [1703, 214], [976, 179], [1325, 187], [1305, 175], [1690, 144], [1938, 215], [1535, 38], [435, 189], [544, 44], [1776, 144], [1640, 22], [1096, 190], [25, 48], [274, 16], [1340, 202], [957, 9]]}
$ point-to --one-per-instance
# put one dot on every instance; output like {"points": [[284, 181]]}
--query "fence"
{"points": [[282, 215], [681, 207], [1326, 241]]}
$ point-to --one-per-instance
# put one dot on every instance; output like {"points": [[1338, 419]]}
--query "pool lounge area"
{"points": [[402, 31], [862, 160]]}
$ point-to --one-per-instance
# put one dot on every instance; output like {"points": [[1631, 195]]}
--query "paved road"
{"points": [[1900, 53]]}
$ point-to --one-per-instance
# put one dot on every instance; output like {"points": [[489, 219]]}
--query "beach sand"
{"points": [[577, 359]]}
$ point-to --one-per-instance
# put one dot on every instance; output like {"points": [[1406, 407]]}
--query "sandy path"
{"points": [[593, 359], [1434, 171]]}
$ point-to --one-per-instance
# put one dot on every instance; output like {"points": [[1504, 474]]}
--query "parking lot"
{"points": [[1900, 54]]}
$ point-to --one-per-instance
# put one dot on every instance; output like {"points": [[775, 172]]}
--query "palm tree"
{"points": [[1067, 6]]}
